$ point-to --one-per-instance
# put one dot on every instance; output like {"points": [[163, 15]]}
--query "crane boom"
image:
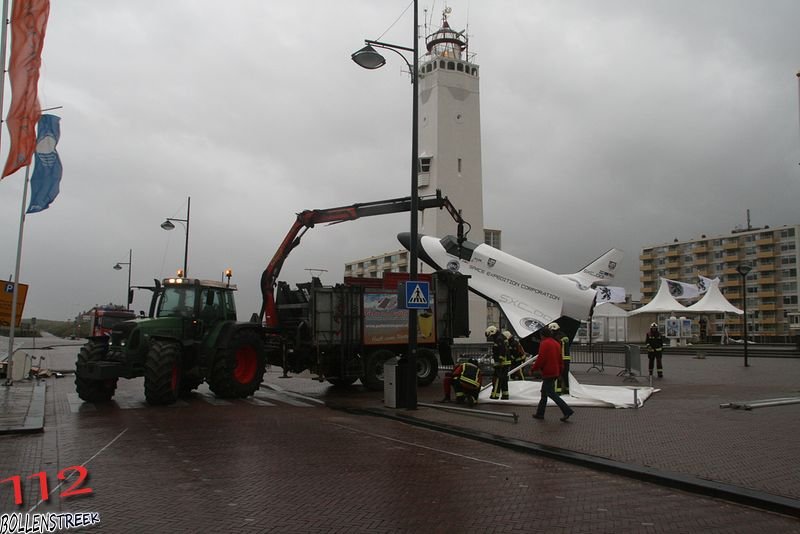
{"points": [[308, 218]]}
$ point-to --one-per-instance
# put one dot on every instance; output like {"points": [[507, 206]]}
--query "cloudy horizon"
{"points": [[616, 124]]}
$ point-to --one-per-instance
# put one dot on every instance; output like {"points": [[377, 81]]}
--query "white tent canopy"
{"points": [[713, 302], [663, 302]]}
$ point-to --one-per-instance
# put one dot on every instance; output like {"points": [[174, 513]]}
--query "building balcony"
{"points": [[761, 255], [733, 245], [672, 252], [645, 256], [701, 261], [763, 280], [765, 241], [673, 265], [699, 248], [767, 307], [767, 294]]}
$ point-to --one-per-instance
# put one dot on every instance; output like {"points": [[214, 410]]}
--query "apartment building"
{"points": [[771, 285]]}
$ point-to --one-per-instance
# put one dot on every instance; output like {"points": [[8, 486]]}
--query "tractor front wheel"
{"points": [[162, 372], [88, 389], [240, 367]]}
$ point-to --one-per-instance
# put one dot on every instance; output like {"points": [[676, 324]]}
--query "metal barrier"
{"points": [[633, 362], [600, 355], [589, 354]]}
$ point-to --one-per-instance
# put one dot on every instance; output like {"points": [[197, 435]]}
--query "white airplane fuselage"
{"points": [[530, 296]]}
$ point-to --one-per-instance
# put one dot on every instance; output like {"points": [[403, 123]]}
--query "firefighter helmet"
{"points": [[507, 334], [654, 325], [553, 326], [492, 330]]}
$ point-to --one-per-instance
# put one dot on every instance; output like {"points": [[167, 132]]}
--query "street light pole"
{"points": [[743, 269], [369, 58], [167, 225], [118, 267]]}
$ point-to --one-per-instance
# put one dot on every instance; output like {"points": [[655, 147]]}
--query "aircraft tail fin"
{"points": [[599, 272]]}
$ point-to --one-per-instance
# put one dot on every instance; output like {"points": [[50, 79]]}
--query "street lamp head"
{"points": [[744, 268], [167, 225], [368, 58], [118, 267]]}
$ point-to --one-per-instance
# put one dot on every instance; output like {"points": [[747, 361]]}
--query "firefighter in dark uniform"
{"points": [[501, 363], [655, 348], [562, 384], [516, 354], [467, 382]]}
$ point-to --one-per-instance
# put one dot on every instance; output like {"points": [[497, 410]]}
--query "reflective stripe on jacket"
{"points": [[470, 374]]}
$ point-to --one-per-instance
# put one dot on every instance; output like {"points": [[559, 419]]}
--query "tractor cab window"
{"points": [[230, 306], [211, 305], [176, 302]]}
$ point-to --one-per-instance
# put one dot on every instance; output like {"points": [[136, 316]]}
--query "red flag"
{"points": [[28, 25]]}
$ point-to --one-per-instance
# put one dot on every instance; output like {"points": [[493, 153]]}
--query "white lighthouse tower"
{"points": [[450, 131], [450, 142]]}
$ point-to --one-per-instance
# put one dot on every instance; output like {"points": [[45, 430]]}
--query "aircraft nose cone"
{"points": [[422, 254], [405, 239]]}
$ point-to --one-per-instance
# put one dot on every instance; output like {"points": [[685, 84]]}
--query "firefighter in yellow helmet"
{"points": [[467, 382], [655, 348], [501, 362], [516, 354]]}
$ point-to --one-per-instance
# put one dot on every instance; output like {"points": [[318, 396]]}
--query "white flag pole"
{"points": [[10, 365]]}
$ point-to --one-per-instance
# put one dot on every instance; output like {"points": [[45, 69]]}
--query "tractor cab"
{"points": [[201, 300]]}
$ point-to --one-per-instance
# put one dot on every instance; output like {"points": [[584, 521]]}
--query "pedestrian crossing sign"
{"points": [[417, 295]]}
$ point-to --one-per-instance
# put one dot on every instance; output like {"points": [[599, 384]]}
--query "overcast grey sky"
{"points": [[604, 124]]}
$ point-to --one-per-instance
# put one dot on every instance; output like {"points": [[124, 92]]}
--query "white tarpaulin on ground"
{"points": [[528, 393]]}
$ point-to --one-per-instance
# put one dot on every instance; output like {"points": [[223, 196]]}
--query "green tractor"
{"points": [[191, 335]]}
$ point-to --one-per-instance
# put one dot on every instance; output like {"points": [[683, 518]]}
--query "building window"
{"points": [[787, 233], [459, 67], [451, 65], [425, 164]]}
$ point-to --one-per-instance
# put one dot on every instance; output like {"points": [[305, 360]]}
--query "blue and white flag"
{"points": [[47, 170], [705, 284], [682, 290], [610, 294]]}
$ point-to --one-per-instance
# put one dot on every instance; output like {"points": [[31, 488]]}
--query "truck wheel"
{"points": [[162, 372], [93, 390], [373, 369], [427, 367], [239, 369]]}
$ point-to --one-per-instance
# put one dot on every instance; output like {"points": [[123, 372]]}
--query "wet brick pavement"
{"points": [[278, 467]]}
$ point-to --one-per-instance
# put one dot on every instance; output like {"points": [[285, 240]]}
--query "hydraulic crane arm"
{"points": [[308, 218]]}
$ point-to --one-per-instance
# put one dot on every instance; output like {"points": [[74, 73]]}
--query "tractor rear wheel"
{"points": [[162, 372], [240, 367], [91, 390]]}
